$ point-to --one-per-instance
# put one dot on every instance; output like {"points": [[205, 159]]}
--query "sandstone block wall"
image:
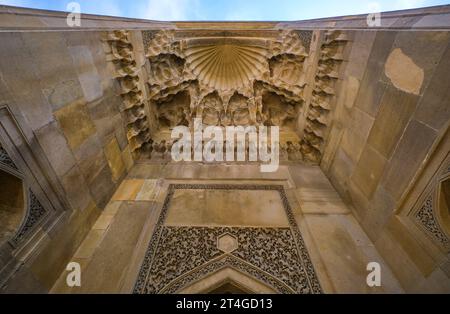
{"points": [[392, 113], [60, 85]]}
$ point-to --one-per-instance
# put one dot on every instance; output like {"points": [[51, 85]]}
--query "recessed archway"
{"points": [[444, 205], [228, 280], [12, 205]]}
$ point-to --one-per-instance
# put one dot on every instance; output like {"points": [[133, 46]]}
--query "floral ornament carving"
{"points": [[34, 214], [6, 160], [178, 256], [426, 217]]}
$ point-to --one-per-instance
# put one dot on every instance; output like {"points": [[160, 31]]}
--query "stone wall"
{"points": [[59, 86], [385, 154], [392, 112]]}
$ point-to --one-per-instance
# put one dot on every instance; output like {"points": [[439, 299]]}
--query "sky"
{"points": [[227, 10]]}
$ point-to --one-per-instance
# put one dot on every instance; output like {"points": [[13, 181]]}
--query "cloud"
{"points": [[15, 3], [243, 15], [408, 4], [171, 10], [104, 7]]}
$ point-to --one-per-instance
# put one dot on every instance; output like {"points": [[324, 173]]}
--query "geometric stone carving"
{"points": [[6, 160], [177, 256], [34, 214], [426, 217], [185, 250], [227, 243]]}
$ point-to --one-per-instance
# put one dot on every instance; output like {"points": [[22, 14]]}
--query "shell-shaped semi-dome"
{"points": [[226, 65]]}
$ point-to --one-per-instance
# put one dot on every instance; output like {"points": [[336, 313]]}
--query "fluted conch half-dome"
{"points": [[226, 66]]}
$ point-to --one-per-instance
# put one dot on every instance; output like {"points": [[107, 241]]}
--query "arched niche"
{"points": [[20, 209], [228, 279], [12, 205]]}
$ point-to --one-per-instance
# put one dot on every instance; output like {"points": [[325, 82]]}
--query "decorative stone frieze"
{"points": [[323, 95], [127, 71]]}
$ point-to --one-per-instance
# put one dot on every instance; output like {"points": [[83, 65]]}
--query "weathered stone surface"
{"points": [[55, 146], [321, 201], [127, 158], [63, 245], [346, 251], [398, 261], [382, 208], [340, 171], [104, 113], [63, 93], [424, 49], [110, 261], [408, 156], [350, 91], [309, 177], [372, 89], [128, 190], [87, 72], [19, 70], [352, 144], [25, 282], [76, 189], [361, 122], [148, 171], [396, 67], [56, 71], [148, 191], [104, 221], [114, 157], [76, 123], [368, 171], [420, 258], [102, 187], [91, 158], [226, 208], [434, 109], [90, 244], [395, 112], [361, 49], [121, 133]]}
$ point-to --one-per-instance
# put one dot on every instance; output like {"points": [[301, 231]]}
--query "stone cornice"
{"points": [[13, 19]]}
